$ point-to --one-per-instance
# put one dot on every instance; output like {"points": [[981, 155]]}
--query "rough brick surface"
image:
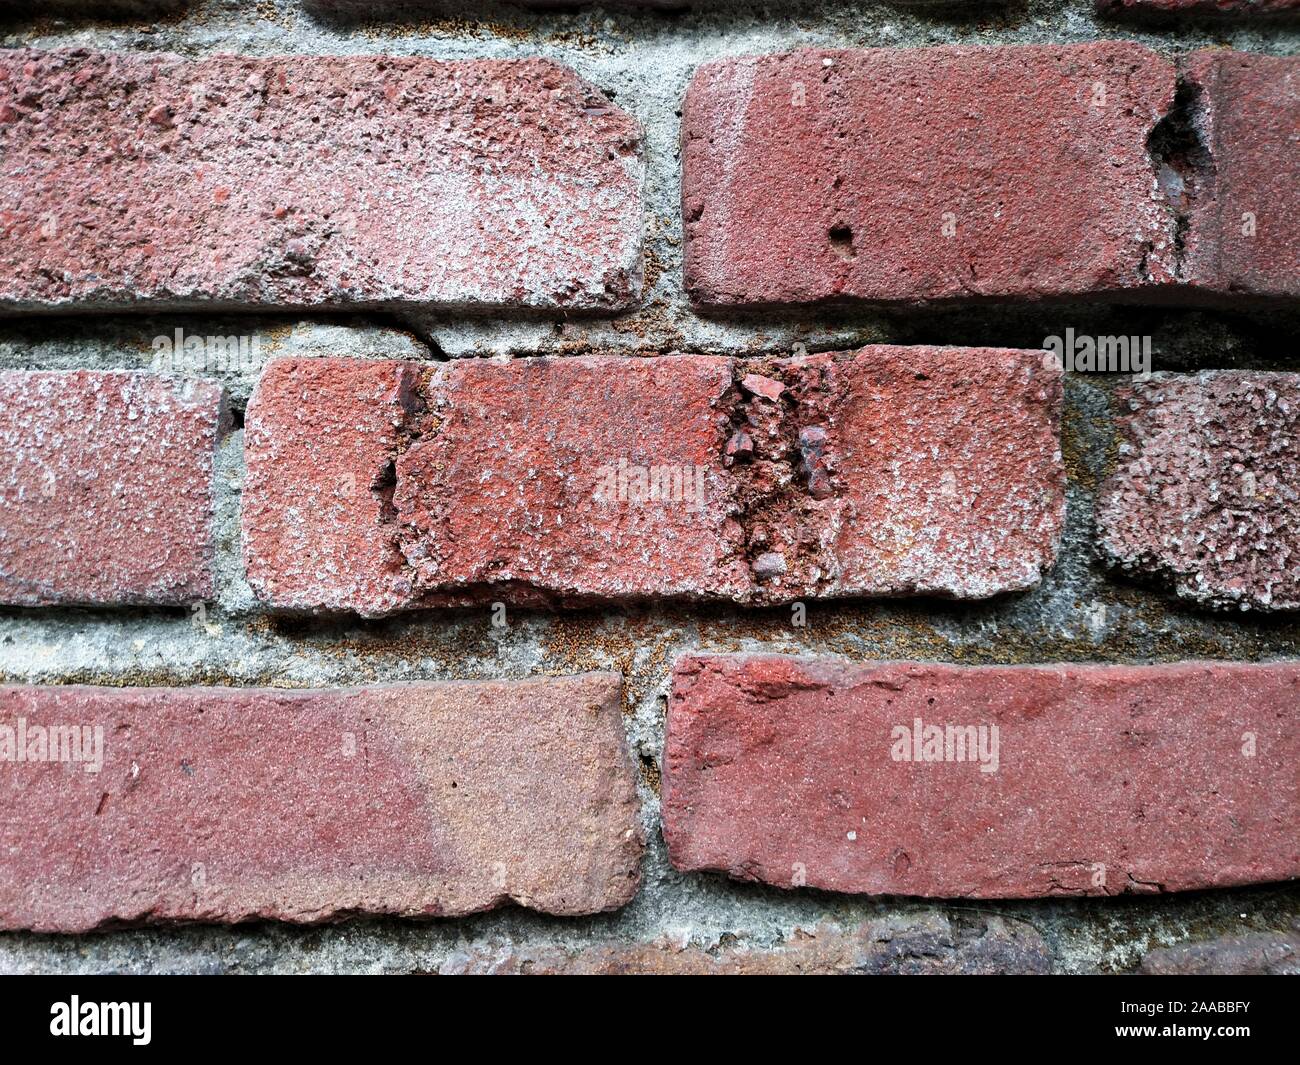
{"points": [[379, 486], [320, 440], [1257, 954], [539, 471], [1242, 236], [943, 474], [134, 181], [106, 487], [1205, 495], [911, 175], [926, 945], [1108, 779], [224, 805]]}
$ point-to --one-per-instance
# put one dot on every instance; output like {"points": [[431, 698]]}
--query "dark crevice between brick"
{"points": [[1184, 166]]}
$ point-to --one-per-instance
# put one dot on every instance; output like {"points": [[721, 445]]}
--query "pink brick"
{"points": [[151, 181], [951, 173], [220, 804], [1205, 495], [379, 486], [1242, 236], [1108, 779], [106, 487]]}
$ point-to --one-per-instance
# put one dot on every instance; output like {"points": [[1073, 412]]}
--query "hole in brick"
{"points": [[842, 242], [385, 486], [1181, 158]]}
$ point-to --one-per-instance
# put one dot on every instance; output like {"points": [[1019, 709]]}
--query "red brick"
{"points": [[106, 487], [530, 480], [1205, 496], [150, 181], [829, 175], [221, 804], [1109, 779], [1242, 236], [880, 472], [321, 437], [944, 474]]}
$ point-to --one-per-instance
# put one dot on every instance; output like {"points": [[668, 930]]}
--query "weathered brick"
{"points": [[1244, 190], [134, 181], [912, 175], [540, 472], [928, 944], [1254, 954], [1205, 496], [221, 804], [321, 437], [1100, 780], [943, 474], [885, 471], [106, 488]]}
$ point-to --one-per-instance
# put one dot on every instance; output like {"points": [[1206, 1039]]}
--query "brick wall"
{"points": [[678, 487]]}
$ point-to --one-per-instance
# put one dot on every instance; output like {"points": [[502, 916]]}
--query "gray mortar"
{"points": [[1079, 612]]}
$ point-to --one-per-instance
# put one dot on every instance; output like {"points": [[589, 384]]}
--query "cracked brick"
{"points": [[382, 486]]}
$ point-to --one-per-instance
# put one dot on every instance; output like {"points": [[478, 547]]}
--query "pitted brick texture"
{"points": [[137, 181], [1205, 495], [945, 469], [379, 486], [321, 437], [225, 805], [106, 490], [1108, 779], [906, 175]]}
